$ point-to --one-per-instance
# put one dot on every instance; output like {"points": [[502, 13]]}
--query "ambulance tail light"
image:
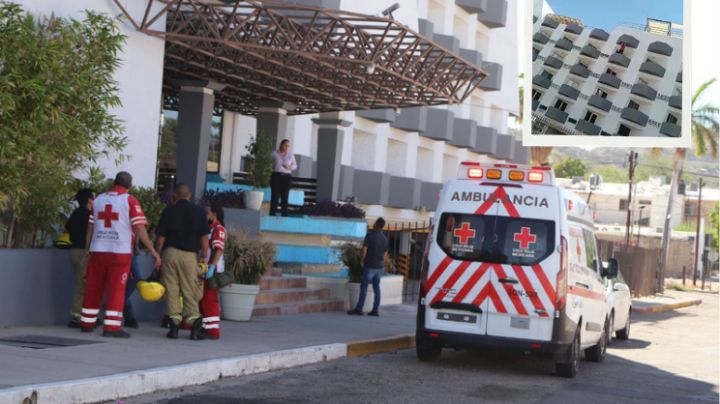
{"points": [[475, 172], [535, 176], [516, 175], [493, 174], [561, 284]]}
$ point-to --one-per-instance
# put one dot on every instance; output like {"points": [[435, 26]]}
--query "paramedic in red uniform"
{"points": [[116, 219], [210, 303]]}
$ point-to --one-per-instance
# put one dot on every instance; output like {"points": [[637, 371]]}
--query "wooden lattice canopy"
{"points": [[311, 59]]}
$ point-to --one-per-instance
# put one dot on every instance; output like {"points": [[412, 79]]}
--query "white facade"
{"points": [[642, 98]]}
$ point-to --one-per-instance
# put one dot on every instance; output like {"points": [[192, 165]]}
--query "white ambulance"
{"points": [[512, 262]]}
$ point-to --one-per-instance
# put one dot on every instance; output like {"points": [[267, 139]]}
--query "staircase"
{"points": [[288, 294]]}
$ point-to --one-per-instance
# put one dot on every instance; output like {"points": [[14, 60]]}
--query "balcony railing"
{"points": [[629, 40], [652, 68], [587, 128], [569, 91], [556, 114], [675, 101], [644, 91], [541, 38], [541, 81], [564, 44], [600, 103], [661, 48], [550, 23], [670, 129], [619, 59], [599, 34], [678, 78], [573, 29], [553, 62], [580, 70], [609, 80], [635, 116], [590, 51]]}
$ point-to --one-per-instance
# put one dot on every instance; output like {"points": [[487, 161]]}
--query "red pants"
{"points": [[106, 271], [210, 309]]}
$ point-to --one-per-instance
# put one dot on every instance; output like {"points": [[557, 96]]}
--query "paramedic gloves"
{"points": [[210, 271]]}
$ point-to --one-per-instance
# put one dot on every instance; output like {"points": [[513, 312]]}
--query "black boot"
{"points": [[174, 329], [196, 332]]}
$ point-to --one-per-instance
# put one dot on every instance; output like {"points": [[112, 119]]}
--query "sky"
{"points": [[607, 14]]}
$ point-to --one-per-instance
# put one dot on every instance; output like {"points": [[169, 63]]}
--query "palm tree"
{"points": [[704, 124]]}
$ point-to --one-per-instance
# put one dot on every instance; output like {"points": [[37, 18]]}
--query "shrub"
{"points": [[260, 160], [332, 209], [351, 254], [226, 199], [248, 258]]}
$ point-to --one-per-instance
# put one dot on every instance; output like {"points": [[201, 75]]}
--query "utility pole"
{"points": [[697, 230], [632, 163]]}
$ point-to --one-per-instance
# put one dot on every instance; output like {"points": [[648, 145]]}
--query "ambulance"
{"points": [[512, 262]]}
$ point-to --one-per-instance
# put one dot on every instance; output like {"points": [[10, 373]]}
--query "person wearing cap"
{"points": [[116, 219], [76, 226]]}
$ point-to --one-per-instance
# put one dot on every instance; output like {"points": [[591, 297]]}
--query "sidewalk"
{"points": [[670, 300], [106, 369]]}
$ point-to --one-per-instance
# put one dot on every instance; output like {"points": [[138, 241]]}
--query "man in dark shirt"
{"points": [[374, 251], [76, 226], [182, 233]]}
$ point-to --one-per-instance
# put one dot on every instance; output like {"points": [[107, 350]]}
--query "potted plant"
{"points": [[247, 259], [259, 164]]}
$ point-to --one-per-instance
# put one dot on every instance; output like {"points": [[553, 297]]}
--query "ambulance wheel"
{"points": [[427, 349], [597, 352], [624, 334], [570, 369]]}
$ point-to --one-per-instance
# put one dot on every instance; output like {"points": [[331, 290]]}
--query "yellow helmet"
{"points": [[151, 291]]}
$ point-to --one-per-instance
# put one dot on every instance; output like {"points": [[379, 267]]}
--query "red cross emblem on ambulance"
{"points": [[108, 216], [524, 238], [464, 233]]}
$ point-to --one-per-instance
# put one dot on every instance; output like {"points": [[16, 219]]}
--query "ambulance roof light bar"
{"points": [[503, 172]]}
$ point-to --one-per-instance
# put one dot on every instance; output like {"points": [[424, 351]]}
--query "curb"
{"points": [[113, 387], [662, 308], [380, 345]]}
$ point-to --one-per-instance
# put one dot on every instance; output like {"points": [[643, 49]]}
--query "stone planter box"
{"points": [[391, 287]]}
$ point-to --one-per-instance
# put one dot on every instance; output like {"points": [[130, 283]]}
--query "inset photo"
{"points": [[607, 73]]}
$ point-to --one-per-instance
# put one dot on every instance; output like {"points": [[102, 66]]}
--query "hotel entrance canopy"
{"points": [[308, 58]]}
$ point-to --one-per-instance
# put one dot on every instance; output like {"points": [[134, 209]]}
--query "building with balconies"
{"points": [[589, 81]]}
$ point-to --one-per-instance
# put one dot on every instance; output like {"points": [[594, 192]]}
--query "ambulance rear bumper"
{"points": [[474, 341]]}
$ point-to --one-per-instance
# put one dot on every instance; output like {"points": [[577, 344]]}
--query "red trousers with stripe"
{"points": [[106, 272], [210, 310]]}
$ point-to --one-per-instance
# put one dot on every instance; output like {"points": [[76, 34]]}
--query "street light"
{"points": [[637, 243]]}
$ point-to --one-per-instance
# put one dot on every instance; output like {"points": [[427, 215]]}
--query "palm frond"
{"points": [[702, 89]]}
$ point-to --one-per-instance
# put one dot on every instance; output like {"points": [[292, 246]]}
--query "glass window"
{"points": [[167, 152], [496, 239], [590, 250]]}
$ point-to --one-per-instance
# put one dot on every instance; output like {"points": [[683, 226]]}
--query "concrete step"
{"points": [[282, 282], [273, 296], [275, 271], [310, 306]]}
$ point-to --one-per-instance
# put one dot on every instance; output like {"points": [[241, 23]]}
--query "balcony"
{"points": [[609, 80], [599, 34], [652, 69], [634, 116], [495, 14], [661, 48], [549, 23], [541, 81], [564, 44], [587, 128], [540, 38], [619, 59], [569, 91], [590, 52], [553, 62], [678, 78], [600, 103], [574, 29], [675, 102], [644, 91], [630, 41], [472, 6], [670, 129], [580, 70], [556, 114]]}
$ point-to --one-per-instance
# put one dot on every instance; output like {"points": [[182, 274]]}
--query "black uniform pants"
{"points": [[279, 190]]}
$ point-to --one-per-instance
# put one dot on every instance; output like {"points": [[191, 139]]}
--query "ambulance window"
{"points": [[496, 239], [590, 250]]}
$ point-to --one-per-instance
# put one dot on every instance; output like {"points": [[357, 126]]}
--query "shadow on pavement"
{"points": [[657, 317], [629, 344]]}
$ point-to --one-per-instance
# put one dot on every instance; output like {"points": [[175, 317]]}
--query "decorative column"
{"points": [[272, 120], [195, 111], [329, 154]]}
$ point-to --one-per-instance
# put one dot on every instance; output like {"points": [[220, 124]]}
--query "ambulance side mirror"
{"points": [[611, 271]]}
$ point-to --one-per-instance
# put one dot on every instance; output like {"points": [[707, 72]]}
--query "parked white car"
{"points": [[619, 303]]}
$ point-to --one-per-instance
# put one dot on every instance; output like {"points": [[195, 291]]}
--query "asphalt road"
{"points": [[670, 357]]}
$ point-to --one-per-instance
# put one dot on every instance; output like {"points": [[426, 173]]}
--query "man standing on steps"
{"points": [[116, 219], [182, 233], [374, 252]]}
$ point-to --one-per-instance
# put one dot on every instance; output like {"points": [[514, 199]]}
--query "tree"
{"points": [[569, 167], [715, 224], [705, 125], [56, 88]]}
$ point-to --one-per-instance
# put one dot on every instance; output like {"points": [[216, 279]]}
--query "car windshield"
{"points": [[496, 239]]}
